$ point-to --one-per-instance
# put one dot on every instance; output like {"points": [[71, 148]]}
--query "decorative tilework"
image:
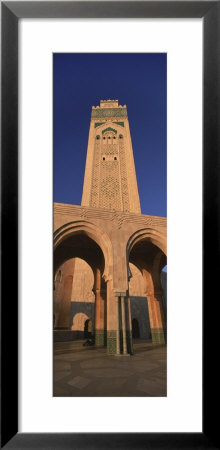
{"points": [[111, 342], [109, 112], [99, 338], [119, 123], [109, 129], [98, 124], [158, 335]]}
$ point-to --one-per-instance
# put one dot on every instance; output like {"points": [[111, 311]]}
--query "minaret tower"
{"points": [[110, 178]]}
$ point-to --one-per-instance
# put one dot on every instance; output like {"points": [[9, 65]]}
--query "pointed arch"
{"points": [[93, 232], [149, 234]]}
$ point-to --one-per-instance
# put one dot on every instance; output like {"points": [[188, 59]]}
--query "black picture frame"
{"points": [[11, 12]]}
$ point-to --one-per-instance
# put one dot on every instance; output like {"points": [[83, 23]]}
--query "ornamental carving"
{"points": [[109, 112], [119, 219]]}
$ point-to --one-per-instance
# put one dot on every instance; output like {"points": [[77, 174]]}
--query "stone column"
{"points": [[118, 327], [157, 317], [103, 324], [130, 326], [99, 310], [123, 326], [111, 319]]}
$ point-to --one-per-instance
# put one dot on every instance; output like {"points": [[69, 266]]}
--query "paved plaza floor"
{"points": [[89, 372]]}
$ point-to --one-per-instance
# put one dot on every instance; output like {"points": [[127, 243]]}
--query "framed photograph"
{"points": [[33, 52], [109, 303]]}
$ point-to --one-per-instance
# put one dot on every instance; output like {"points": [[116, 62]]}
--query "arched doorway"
{"points": [[135, 329], [147, 252], [73, 294], [77, 247], [138, 302], [62, 295]]}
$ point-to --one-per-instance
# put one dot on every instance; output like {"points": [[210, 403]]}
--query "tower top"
{"points": [[109, 108], [108, 103], [110, 178]]}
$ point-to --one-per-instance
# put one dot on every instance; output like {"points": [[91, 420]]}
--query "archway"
{"points": [[146, 250], [62, 295], [138, 302], [91, 231], [79, 245]]}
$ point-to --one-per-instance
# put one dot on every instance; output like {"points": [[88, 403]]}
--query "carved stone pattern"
{"points": [[109, 185], [109, 112], [95, 176], [141, 219], [119, 219], [109, 149], [109, 191], [83, 213], [124, 181]]}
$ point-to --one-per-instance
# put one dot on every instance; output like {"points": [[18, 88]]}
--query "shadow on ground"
{"points": [[89, 372]]}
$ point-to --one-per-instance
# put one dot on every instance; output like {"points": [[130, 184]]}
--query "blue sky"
{"points": [[138, 80]]}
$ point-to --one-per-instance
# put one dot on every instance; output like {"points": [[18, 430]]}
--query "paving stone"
{"points": [[102, 373], [79, 382], [151, 387], [93, 363], [93, 373], [59, 375], [60, 365]]}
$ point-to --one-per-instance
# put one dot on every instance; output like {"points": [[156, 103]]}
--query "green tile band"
{"points": [[99, 338], [109, 112], [111, 342], [158, 335], [109, 129]]}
